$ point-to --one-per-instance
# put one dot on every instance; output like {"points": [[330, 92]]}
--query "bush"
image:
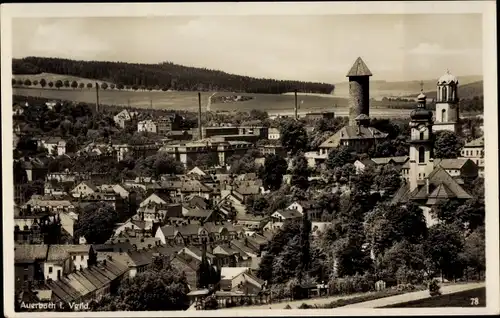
{"points": [[351, 284], [434, 288], [305, 306], [406, 287], [211, 303], [288, 307]]}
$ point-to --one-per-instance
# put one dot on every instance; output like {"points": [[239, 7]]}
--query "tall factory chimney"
{"points": [[359, 90], [97, 97], [200, 131], [296, 106]]}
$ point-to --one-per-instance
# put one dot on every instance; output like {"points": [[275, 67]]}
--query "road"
{"points": [[393, 300], [296, 303]]}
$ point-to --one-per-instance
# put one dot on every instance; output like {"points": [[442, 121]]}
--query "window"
{"points": [[421, 155], [58, 274], [421, 135], [25, 277], [50, 269], [74, 257], [81, 257], [443, 115]]}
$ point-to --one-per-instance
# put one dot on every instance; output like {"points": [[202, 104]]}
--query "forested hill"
{"points": [[466, 91], [163, 76]]}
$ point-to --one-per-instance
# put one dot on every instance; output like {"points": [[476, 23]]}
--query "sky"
{"points": [[319, 48]]}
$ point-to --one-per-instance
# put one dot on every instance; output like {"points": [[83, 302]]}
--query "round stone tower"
{"points": [[359, 90]]}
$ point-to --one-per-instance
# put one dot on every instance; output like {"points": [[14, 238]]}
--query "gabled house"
{"points": [[84, 189], [54, 145], [28, 264], [122, 118], [359, 137], [313, 211], [240, 279], [156, 198], [474, 150], [89, 284], [286, 215]]}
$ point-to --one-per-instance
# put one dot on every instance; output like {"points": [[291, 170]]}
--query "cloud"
{"points": [[66, 39], [436, 49]]}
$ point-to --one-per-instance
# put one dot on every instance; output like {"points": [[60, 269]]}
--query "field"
{"points": [[461, 299], [273, 104]]}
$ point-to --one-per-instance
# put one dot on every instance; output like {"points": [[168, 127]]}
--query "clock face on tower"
{"points": [[421, 128]]}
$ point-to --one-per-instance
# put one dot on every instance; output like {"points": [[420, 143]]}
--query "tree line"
{"points": [[165, 76]]}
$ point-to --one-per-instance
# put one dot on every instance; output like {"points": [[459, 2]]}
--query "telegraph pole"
{"points": [[97, 97]]}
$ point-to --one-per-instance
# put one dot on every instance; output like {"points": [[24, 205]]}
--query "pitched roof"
{"points": [[479, 142], [57, 253], [441, 185], [353, 132], [439, 175], [289, 213], [232, 272], [455, 163], [359, 68], [386, 160], [196, 212], [30, 252], [80, 283]]}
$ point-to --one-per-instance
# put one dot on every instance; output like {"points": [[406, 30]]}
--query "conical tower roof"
{"points": [[359, 69]]}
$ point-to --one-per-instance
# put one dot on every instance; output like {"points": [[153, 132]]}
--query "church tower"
{"points": [[447, 114], [421, 143]]}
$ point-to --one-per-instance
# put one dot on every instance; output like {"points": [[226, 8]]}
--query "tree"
{"points": [[474, 250], [43, 82], [66, 83], [20, 82], [446, 211], [89, 85], [74, 84], [81, 85], [300, 172], [443, 245], [104, 85], [305, 246], [120, 86], [471, 213], [447, 145], [158, 164], [51, 84], [293, 136], [155, 289], [96, 223], [388, 180], [135, 87], [35, 83], [112, 86], [204, 160], [27, 82], [339, 157], [59, 84], [274, 169]]}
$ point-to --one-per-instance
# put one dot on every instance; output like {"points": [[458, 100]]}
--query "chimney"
{"points": [[427, 185], [200, 136], [97, 97], [296, 106]]}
